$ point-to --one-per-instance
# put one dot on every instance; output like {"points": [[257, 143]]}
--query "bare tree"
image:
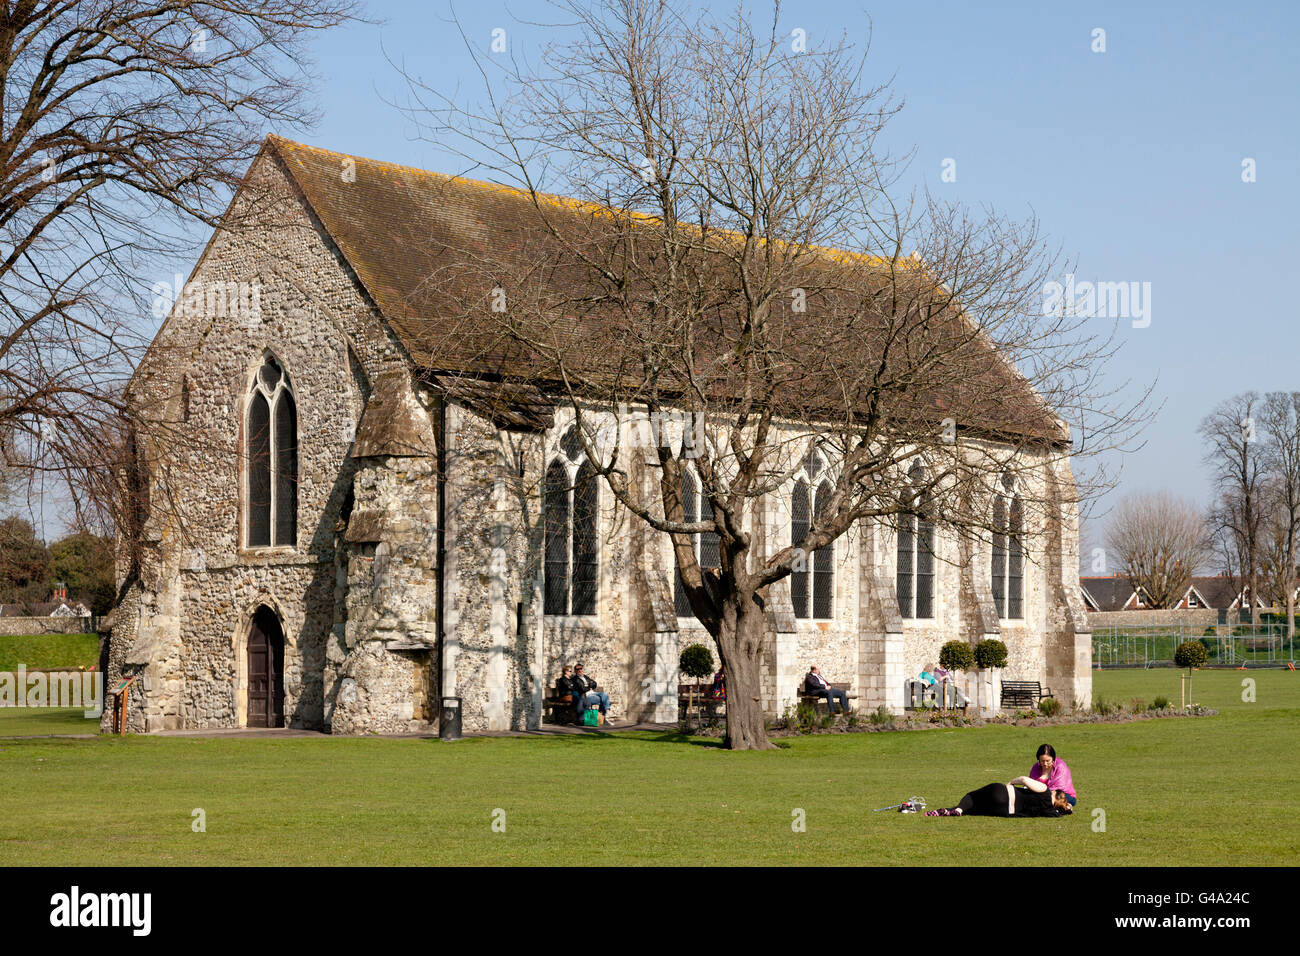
{"points": [[1159, 542], [1279, 425], [1272, 555], [693, 276], [123, 125], [1235, 520]]}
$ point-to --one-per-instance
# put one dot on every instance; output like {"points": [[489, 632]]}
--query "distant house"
{"points": [[1219, 592], [75, 610], [57, 606], [1113, 593]]}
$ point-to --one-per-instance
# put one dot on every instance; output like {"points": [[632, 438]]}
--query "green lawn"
{"points": [[1177, 792], [43, 721], [49, 650]]}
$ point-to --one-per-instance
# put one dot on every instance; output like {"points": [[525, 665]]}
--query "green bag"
{"points": [[591, 717]]}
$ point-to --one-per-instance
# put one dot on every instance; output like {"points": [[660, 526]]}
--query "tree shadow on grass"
{"points": [[677, 737], [638, 736]]}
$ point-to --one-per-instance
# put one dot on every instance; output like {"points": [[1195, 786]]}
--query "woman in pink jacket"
{"points": [[1051, 770]]}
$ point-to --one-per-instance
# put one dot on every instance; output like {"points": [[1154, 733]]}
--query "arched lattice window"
{"points": [[272, 455], [1008, 572], [571, 506], [706, 544], [915, 577], [817, 569]]}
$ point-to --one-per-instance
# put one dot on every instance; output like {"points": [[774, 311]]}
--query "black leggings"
{"points": [[989, 801]]}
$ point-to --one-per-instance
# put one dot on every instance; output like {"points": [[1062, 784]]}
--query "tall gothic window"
{"points": [[915, 577], [272, 450], [571, 505], [1008, 572], [706, 544], [817, 569]]}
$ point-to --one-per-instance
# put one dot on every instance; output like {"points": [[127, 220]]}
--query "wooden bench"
{"points": [[558, 708], [702, 695], [823, 703], [1023, 693]]}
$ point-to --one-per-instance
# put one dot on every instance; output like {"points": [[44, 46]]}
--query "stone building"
{"points": [[346, 535]]}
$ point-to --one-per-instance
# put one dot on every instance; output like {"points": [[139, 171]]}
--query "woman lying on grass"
{"points": [[1022, 797]]}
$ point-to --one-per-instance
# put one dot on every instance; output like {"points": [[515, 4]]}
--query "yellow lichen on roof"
{"points": [[569, 203]]}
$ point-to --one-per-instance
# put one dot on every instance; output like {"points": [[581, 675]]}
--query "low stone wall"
{"points": [[44, 625], [1193, 617]]}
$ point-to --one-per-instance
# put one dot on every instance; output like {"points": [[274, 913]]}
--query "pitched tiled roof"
{"points": [[425, 247], [1107, 593], [1219, 591]]}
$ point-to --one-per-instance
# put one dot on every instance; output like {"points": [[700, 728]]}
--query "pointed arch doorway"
{"points": [[265, 670]]}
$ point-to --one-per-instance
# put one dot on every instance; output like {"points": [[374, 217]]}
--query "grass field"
{"points": [[49, 650], [1175, 792]]}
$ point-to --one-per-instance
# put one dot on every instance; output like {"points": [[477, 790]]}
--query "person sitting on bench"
{"points": [[818, 686], [585, 694]]}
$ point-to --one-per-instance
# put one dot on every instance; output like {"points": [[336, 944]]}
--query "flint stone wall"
{"points": [[198, 585], [13, 626], [1186, 617]]}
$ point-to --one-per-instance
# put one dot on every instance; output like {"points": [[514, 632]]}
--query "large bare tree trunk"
{"points": [[740, 641]]}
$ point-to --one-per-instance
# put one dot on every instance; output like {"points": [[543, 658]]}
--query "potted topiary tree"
{"points": [[990, 658], [958, 659], [1189, 654], [696, 661]]}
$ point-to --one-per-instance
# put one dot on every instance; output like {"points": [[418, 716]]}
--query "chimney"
{"points": [[60, 591]]}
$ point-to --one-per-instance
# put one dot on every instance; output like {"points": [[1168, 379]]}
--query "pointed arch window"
{"points": [[816, 572], [1008, 571], [272, 455], [915, 574], [571, 509], [706, 544]]}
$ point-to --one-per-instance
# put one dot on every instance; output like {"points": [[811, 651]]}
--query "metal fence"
{"points": [[1239, 645]]}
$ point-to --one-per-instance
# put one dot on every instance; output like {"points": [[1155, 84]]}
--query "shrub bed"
{"points": [[794, 725]]}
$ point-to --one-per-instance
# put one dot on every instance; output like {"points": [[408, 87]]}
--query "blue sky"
{"points": [[1131, 158]]}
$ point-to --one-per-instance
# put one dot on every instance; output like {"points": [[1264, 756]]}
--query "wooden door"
{"points": [[265, 670], [275, 660]]}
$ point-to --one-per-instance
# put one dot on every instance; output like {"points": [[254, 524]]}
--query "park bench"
{"points": [[558, 708], [1023, 693], [922, 696], [702, 695], [821, 704]]}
